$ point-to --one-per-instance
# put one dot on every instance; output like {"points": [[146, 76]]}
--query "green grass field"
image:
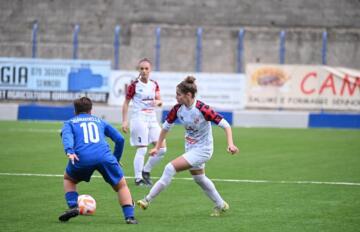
{"points": [[301, 174]]}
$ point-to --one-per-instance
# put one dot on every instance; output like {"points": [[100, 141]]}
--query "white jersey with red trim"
{"points": [[143, 99], [197, 122]]}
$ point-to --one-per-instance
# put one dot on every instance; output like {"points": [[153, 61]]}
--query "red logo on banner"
{"points": [[329, 84]]}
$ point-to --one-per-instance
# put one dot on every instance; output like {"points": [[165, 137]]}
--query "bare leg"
{"points": [[71, 197], [69, 184], [125, 201], [123, 192], [180, 164]]}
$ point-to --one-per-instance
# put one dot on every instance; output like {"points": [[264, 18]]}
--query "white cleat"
{"points": [[218, 211], [143, 203]]}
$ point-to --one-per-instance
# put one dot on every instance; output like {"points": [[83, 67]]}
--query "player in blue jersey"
{"points": [[84, 140]]}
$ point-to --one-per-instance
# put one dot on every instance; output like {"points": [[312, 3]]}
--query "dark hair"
{"points": [[82, 105], [188, 86]]}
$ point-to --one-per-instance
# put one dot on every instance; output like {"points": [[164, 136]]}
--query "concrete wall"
{"points": [[263, 19]]}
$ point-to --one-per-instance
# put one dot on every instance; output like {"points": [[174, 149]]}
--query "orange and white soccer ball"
{"points": [[87, 204]]}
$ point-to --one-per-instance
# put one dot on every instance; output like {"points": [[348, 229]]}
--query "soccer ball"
{"points": [[87, 204]]}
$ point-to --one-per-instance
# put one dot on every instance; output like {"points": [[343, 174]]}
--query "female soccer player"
{"points": [[196, 117], [84, 140], [144, 128]]}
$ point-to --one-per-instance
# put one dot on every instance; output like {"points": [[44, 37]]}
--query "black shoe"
{"points": [[131, 220], [140, 182], [147, 179], [69, 214]]}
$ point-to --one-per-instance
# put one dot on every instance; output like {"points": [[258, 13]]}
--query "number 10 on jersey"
{"points": [[90, 131]]}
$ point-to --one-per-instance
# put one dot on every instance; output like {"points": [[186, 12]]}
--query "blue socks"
{"points": [[71, 199], [128, 211]]}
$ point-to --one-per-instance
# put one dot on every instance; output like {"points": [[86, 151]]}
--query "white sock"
{"points": [[153, 160], [139, 162], [209, 189], [162, 183]]}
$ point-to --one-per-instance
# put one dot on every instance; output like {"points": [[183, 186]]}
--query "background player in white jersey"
{"points": [[144, 128], [196, 118]]}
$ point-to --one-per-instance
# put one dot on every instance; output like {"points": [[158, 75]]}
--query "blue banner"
{"points": [[54, 75]]}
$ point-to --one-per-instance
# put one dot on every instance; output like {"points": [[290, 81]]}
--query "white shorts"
{"points": [[197, 158], [143, 133]]}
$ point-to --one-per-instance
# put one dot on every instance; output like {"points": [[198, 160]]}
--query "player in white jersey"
{"points": [[196, 117], [144, 128]]}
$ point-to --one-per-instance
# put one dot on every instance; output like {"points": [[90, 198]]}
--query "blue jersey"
{"points": [[85, 135]]}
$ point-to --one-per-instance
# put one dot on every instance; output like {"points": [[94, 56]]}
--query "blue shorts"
{"points": [[109, 168]]}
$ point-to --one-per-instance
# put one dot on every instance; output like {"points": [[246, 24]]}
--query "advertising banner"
{"points": [[32, 95], [302, 87], [219, 90], [54, 75]]}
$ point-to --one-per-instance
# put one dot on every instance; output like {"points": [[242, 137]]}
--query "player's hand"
{"points": [[73, 157], [153, 151], [232, 149], [158, 103], [124, 127]]}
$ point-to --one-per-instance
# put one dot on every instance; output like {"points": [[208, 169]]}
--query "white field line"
{"points": [[32, 130], [216, 180]]}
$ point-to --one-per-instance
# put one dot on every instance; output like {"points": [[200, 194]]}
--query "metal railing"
{"points": [[75, 41], [117, 31], [198, 48]]}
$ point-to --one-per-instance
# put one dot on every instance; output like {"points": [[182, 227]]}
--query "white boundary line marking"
{"points": [[33, 130], [217, 180]]}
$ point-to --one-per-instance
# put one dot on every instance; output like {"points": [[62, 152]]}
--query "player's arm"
{"points": [[117, 138], [125, 110], [158, 101], [160, 141], [67, 138], [169, 122], [211, 115], [130, 93], [231, 148]]}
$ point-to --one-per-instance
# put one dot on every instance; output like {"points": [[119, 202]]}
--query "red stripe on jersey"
{"points": [[208, 113], [130, 90], [190, 140], [172, 115], [157, 88]]}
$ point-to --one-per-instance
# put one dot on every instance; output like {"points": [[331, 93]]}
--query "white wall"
{"points": [[8, 111], [244, 118], [284, 119]]}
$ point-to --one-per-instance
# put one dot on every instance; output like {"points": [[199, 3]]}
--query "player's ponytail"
{"points": [[190, 80], [188, 86]]}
